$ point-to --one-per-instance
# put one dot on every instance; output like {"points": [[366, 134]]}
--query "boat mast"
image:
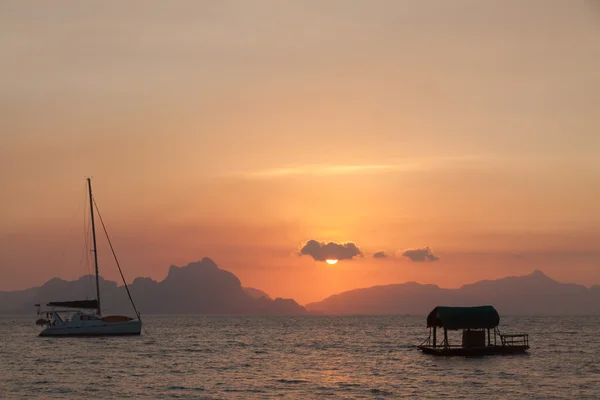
{"points": [[89, 181]]}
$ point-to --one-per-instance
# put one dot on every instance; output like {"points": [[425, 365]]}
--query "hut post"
{"points": [[489, 339], [429, 338], [446, 337], [434, 337]]}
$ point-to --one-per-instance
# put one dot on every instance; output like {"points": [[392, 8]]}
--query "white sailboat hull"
{"points": [[98, 328]]}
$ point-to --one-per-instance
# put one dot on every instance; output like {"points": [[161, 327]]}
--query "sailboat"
{"points": [[84, 317]]}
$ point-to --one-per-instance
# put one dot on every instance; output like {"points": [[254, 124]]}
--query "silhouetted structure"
{"points": [[65, 322], [474, 321]]}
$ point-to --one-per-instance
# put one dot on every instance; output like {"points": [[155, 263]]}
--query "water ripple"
{"points": [[294, 358]]}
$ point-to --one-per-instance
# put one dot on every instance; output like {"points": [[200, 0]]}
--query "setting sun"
{"points": [[330, 261]]}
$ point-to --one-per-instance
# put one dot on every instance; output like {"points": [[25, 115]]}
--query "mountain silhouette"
{"points": [[255, 293], [533, 294], [203, 288], [198, 288]]}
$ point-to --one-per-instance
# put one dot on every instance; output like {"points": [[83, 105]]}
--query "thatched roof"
{"points": [[453, 318]]}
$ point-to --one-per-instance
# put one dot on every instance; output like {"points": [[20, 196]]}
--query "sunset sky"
{"points": [[240, 130]]}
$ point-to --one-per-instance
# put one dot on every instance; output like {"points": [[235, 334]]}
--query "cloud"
{"points": [[403, 165], [420, 255], [318, 170], [321, 251], [380, 254]]}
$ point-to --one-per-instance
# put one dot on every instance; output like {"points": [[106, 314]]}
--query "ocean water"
{"points": [[310, 357]]}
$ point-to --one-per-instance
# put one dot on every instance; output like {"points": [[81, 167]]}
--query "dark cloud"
{"points": [[380, 254], [322, 251], [420, 255]]}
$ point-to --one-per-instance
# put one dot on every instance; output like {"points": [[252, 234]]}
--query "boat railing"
{"points": [[506, 340], [513, 339], [518, 339], [442, 346]]}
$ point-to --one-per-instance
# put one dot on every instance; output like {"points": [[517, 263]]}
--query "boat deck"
{"points": [[473, 351]]}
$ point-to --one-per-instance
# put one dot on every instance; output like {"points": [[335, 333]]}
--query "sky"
{"points": [[460, 138]]}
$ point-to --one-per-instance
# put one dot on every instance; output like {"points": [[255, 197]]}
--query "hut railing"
{"points": [[514, 339], [521, 339]]}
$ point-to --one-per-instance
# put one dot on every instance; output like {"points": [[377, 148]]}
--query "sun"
{"points": [[331, 261]]}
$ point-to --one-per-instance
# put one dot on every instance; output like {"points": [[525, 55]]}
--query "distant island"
{"points": [[197, 288], [533, 294], [202, 288]]}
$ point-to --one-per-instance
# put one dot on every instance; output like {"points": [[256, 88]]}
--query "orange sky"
{"points": [[240, 130]]}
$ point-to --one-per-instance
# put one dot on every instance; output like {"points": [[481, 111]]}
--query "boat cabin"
{"points": [[480, 334], [71, 314]]}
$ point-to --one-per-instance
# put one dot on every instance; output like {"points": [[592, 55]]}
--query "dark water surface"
{"points": [[295, 358]]}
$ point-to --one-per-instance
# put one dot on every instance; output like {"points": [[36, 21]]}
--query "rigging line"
{"points": [[85, 258], [116, 260], [84, 263], [88, 256], [88, 244]]}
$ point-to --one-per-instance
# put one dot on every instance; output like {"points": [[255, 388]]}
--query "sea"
{"points": [[306, 357]]}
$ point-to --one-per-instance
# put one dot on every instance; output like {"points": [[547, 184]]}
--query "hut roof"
{"points": [[453, 318]]}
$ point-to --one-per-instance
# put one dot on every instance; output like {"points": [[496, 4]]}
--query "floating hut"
{"points": [[478, 324]]}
